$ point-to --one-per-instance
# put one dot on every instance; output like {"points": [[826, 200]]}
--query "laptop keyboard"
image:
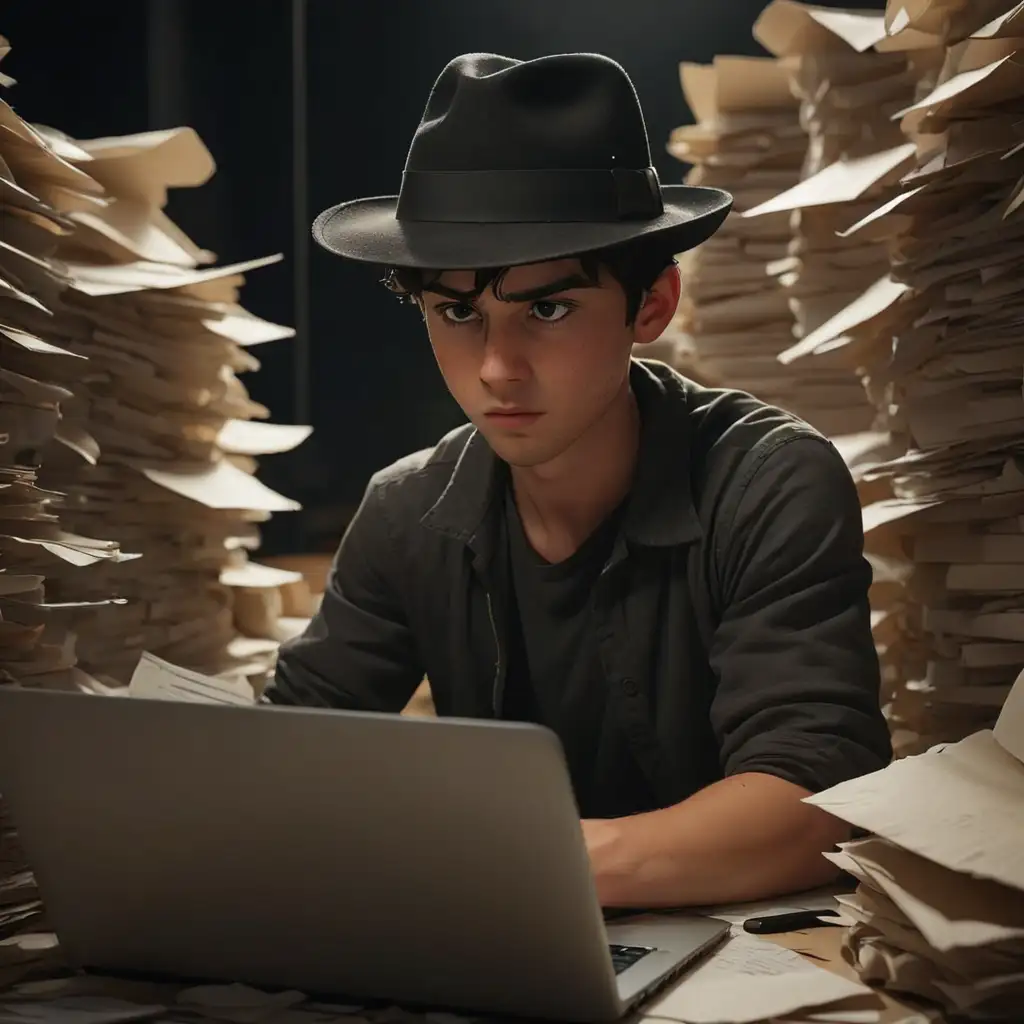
{"points": [[626, 956]]}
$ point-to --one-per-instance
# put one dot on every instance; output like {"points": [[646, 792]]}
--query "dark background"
{"points": [[305, 103]]}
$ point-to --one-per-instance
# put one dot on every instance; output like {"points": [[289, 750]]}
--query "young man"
{"points": [[669, 577]]}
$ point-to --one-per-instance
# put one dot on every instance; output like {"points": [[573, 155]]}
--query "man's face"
{"points": [[536, 369]]}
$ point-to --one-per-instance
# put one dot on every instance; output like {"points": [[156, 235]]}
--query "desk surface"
{"points": [[823, 947]]}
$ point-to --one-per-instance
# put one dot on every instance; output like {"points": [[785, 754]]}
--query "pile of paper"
{"points": [[124, 432], [158, 446], [939, 912], [37, 645], [37, 641], [938, 343], [848, 92], [733, 318]]}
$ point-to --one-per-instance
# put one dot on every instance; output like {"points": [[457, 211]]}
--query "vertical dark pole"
{"points": [[302, 399], [165, 67]]}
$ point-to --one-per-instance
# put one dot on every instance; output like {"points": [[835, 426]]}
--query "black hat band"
{"points": [[530, 196]]}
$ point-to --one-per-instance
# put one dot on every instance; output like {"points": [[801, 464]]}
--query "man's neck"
{"points": [[562, 503]]}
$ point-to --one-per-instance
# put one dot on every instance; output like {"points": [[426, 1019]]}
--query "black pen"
{"points": [[793, 921]]}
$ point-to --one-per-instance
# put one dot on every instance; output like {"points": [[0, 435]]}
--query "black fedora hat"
{"points": [[521, 161]]}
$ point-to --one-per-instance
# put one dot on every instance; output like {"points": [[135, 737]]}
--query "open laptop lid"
{"points": [[320, 850]]}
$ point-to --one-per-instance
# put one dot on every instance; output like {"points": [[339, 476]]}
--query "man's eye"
{"points": [[458, 314], [549, 311]]}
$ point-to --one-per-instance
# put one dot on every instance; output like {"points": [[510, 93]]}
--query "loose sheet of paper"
{"points": [[157, 679], [222, 486], [77, 1010], [748, 979]]}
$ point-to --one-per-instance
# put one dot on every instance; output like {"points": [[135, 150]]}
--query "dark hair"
{"points": [[636, 265]]}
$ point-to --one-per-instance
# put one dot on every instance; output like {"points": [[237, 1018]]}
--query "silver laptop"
{"points": [[429, 862]]}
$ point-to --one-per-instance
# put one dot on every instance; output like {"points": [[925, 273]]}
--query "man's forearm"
{"points": [[747, 837]]}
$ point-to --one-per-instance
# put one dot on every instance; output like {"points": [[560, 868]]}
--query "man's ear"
{"points": [[658, 307]]}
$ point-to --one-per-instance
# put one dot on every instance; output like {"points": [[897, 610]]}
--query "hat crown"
{"points": [[488, 112]]}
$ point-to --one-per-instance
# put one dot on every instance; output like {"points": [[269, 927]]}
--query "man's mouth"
{"points": [[512, 417]]}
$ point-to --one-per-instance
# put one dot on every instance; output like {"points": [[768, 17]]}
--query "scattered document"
{"points": [[77, 1010], [156, 679], [749, 979]]}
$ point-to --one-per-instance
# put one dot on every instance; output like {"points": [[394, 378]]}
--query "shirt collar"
{"points": [[660, 510]]}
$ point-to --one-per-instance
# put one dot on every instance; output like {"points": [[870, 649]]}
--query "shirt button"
{"points": [[629, 687]]}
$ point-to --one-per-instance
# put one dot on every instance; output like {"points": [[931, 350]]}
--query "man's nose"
{"points": [[504, 353]]}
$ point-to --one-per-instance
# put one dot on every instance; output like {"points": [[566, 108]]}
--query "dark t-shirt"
{"points": [[555, 676]]}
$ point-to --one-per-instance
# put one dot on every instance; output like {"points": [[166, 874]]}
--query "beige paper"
{"points": [[156, 679], [119, 279], [222, 486], [842, 182], [252, 574], [952, 911], [1009, 728], [751, 988], [252, 437], [242, 327], [143, 166], [961, 806], [875, 302]]}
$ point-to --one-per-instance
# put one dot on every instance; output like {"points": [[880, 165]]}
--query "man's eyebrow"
{"points": [[529, 295], [563, 284], [450, 293]]}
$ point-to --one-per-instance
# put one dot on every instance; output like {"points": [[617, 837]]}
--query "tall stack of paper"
{"points": [[733, 318], [36, 644], [937, 337], [939, 912], [848, 92], [159, 448], [37, 639]]}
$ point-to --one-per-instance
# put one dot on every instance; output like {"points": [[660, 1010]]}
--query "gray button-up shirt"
{"points": [[732, 617]]}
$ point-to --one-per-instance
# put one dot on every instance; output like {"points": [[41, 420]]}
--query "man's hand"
{"points": [[603, 840], [747, 837]]}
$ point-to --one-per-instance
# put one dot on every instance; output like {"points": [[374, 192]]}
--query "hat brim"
{"points": [[366, 230]]}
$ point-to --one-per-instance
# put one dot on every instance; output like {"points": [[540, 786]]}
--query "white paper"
{"points": [[961, 806], [156, 679], [122, 278], [223, 486], [252, 574], [241, 327], [744, 954], [842, 182], [253, 437], [952, 911], [748, 979], [1009, 727]]}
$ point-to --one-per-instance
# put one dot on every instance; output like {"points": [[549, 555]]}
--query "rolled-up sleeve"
{"points": [[358, 651], [798, 687]]}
